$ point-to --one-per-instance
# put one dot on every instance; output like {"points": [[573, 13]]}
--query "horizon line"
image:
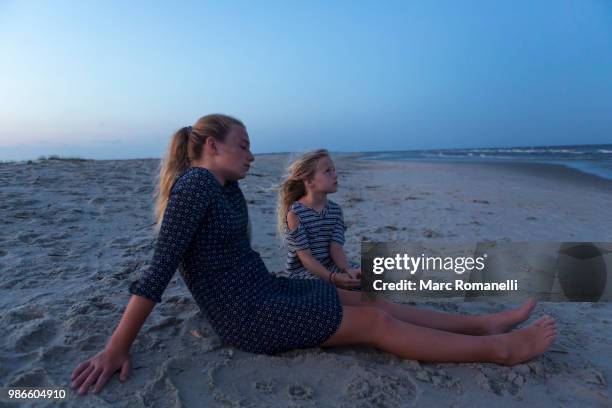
{"points": [[71, 157]]}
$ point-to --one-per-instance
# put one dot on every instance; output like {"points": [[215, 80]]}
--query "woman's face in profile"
{"points": [[235, 155]]}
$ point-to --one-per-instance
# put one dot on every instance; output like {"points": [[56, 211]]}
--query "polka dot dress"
{"points": [[204, 235]]}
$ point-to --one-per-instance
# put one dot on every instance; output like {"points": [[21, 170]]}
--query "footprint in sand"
{"points": [[92, 343], [181, 382], [22, 314], [386, 228], [299, 392], [429, 233], [309, 377], [37, 377], [11, 363], [37, 334]]}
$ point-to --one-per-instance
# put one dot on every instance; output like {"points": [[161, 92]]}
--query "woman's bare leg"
{"points": [[464, 324], [374, 327]]}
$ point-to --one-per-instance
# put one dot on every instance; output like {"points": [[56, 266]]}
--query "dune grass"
{"points": [[66, 158]]}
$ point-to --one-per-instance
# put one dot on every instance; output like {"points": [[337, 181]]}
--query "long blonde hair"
{"points": [[187, 145], [293, 188]]}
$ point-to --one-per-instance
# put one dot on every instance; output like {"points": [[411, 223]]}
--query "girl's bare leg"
{"points": [[474, 325], [374, 327]]}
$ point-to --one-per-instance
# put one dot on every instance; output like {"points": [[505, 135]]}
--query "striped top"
{"points": [[315, 231]]}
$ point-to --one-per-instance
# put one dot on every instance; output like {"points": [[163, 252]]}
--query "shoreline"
{"points": [[540, 169], [535, 168]]}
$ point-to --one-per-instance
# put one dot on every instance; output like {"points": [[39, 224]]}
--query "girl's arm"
{"points": [[339, 257], [336, 251], [116, 355], [305, 255], [312, 264], [342, 280]]}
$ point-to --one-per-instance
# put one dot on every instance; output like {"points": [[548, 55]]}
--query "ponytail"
{"points": [[186, 145], [174, 162]]}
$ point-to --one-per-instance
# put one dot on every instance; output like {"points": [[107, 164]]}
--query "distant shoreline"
{"points": [[554, 170], [542, 169]]}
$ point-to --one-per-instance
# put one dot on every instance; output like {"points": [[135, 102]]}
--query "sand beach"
{"points": [[75, 233]]}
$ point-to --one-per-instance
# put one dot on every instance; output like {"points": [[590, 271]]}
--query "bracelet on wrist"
{"points": [[332, 278]]}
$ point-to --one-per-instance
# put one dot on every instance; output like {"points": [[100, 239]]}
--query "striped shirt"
{"points": [[315, 231]]}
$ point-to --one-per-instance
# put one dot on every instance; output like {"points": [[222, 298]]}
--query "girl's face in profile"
{"points": [[235, 156], [325, 179]]}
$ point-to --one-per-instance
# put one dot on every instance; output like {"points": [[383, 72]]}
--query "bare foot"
{"points": [[503, 322], [524, 344]]}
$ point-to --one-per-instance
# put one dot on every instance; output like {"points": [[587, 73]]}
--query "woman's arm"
{"points": [[250, 231], [116, 355], [184, 213], [136, 312]]}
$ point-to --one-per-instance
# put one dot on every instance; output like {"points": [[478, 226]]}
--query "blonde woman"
{"points": [[202, 217]]}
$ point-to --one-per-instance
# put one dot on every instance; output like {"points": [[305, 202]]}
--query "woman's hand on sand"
{"points": [[345, 281], [354, 273], [99, 369]]}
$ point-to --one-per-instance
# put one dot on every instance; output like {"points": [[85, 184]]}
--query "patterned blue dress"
{"points": [[204, 234]]}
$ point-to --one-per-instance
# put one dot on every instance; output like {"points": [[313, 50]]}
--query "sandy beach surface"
{"points": [[75, 233]]}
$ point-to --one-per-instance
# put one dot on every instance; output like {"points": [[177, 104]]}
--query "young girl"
{"points": [[203, 221], [312, 225]]}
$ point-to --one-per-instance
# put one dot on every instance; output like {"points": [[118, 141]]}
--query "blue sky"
{"points": [[114, 80]]}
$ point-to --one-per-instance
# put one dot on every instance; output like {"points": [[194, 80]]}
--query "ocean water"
{"points": [[591, 159]]}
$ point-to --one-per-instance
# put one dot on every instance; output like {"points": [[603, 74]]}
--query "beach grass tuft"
{"points": [[57, 157]]}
